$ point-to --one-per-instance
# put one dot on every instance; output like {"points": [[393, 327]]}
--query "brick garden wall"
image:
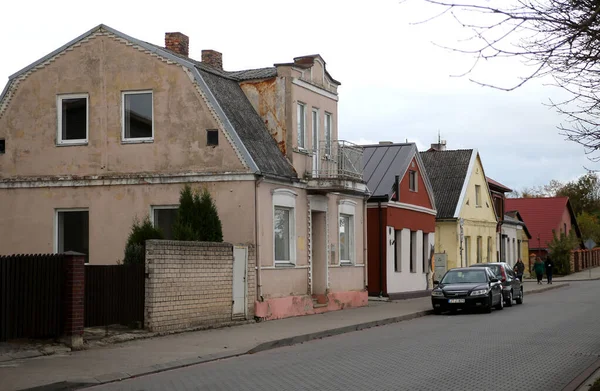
{"points": [[584, 259], [190, 284]]}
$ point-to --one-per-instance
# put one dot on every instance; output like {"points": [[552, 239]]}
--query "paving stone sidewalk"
{"points": [[75, 369]]}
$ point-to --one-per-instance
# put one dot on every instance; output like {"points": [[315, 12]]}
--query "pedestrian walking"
{"points": [[549, 267], [538, 267], [519, 269]]}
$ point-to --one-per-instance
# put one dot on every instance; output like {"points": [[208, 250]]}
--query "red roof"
{"points": [[541, 215], [498, 184]]}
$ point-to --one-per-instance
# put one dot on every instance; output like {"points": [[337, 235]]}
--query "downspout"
{"points": [[380, 251], [259, 296]]}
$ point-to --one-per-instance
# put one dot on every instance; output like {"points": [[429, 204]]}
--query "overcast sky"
{"points": [[396, 84]]}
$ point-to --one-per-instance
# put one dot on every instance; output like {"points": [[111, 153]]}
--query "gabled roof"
{"points": [[382, 162], [242, 124], [497, 186], [515, 217], [447, 171], [542, 215]]}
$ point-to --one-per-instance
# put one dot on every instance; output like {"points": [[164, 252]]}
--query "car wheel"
{"points": [[488, 307], [520, 298], [437, 311], [500, 305], [509, 301]]}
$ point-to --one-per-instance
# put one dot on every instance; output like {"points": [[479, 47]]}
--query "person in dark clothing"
{"points": [[538, 267], [549, 267], [519, 269]]}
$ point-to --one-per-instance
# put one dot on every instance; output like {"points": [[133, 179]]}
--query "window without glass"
{"points": [[328, 120], [73, 232], [412, 180], [137, 116], [212, 137], [477, 195], [346, 238], [164, 218], [479, 249], [72, 119], [281, 227], [301, 126]]}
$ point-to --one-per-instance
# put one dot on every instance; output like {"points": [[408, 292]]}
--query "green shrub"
{"points": [[560, 251], [135, 248], [197, 217]]}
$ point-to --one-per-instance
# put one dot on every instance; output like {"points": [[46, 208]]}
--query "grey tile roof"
{"points": [[249, 74], [447, 172], [381, 163], [248, 125]]}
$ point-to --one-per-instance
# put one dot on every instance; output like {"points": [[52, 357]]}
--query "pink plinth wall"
{"points": [[285, 307]]}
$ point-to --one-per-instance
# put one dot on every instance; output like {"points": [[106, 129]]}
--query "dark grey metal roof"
{"points": [[382, 162], [248, 125], [447, 171]]}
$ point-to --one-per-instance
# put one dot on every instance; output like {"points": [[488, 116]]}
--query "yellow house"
{"points": [[466, 223]]}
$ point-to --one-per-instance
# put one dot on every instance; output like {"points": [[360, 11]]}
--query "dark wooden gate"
{"points": [[114, 294], [32, 292]]}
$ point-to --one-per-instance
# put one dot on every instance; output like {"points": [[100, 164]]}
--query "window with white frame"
{"points": [[138, 116], [477, 195], [72, 231], [284, 228], [72, 114], [412, 180], [328, 125], [163, 217], [301, 125], [346, 212]]}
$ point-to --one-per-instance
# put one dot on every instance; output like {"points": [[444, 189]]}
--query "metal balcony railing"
{"points": [[337, 160]]}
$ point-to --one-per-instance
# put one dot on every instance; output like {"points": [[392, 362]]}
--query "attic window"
{"points": [[2, 146], [412, 180], [212, 137]]}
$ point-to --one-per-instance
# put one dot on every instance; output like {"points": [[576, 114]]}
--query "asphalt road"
{"points": [[540, 345]]}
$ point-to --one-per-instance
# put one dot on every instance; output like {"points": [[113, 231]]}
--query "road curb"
{"points": [[583, 376], [548, 288], [335, 331]]}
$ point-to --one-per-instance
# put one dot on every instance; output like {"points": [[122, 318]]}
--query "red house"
{"points": [[542, 215], [400, 220]]}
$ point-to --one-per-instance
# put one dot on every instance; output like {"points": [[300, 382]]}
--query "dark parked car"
{"points": [[467, 288], [512, 289]]}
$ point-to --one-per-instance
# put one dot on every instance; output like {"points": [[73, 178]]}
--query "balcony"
{"points": [[336, 167]]}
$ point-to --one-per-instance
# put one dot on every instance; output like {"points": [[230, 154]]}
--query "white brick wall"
{"points": [[190, 284]]}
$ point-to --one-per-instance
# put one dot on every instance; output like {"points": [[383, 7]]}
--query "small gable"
{"points": [[476, 200], [413, 189]]}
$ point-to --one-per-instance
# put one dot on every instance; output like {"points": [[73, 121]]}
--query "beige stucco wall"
{"points": [[446, 241], [27, 216], [104, 67]]}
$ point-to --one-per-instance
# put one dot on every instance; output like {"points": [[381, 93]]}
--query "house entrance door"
{"points": [[319, 252]]}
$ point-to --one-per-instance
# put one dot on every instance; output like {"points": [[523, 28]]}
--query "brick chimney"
{"points": [[178, 43], [212, 58]]}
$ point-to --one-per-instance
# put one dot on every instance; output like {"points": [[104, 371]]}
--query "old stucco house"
{"points": [[466, 223], [108, 128]]}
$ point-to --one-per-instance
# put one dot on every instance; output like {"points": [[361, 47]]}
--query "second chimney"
{"points": [[212, 58], [178, 43]]}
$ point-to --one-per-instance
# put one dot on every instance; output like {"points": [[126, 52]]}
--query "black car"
{"points": [[467, 288], [512, 289]]}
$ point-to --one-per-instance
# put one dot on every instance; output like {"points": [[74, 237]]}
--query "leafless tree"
{"points": [[557, 38]]}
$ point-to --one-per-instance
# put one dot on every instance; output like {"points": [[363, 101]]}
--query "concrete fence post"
{"points": [[74, 301]]}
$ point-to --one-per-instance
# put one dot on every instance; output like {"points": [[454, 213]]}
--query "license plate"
{"points": [[454, 301]]}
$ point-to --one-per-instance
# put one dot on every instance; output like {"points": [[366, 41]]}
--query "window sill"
{"points": [[346, 263], [302, 151], [284, 265], [413, 191], [72, 144], [138, 141]]}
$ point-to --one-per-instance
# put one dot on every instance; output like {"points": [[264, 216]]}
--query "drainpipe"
{"points": [[380, 251], [259, 296]]}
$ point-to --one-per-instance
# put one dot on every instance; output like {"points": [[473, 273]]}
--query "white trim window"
{"points": [[71, 231], [413, 183], [284, 227], [328, 125], [163, 217], [137, 116], [346, 232], [301, 114], [73, 119]]}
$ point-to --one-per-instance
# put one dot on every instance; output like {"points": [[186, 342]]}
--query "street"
{"points": [[540, 345]]}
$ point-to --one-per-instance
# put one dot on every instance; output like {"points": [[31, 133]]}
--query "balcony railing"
{"points": [[338, 160]]}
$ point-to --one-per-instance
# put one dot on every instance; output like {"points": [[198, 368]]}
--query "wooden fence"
{"points": [[114, 294], [32, 294]]}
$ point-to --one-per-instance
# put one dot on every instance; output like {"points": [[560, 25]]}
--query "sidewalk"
{"points": [[586, 275], [88, 367]]}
